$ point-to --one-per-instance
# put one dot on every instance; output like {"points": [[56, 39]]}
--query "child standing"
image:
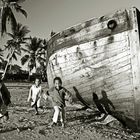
{"points": [[35, 95], [5, 98], [57, 96]]}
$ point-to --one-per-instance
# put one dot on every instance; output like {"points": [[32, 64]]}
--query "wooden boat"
{"points": [[101, 54]]}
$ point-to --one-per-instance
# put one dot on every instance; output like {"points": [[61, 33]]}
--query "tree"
{"points": [[15, 69], [14, 45], [33, 55], [52, 33], [1, 55], [42, 52], [2, 61], [3, 64], [1, 58], [7, 13], [44, 60]]}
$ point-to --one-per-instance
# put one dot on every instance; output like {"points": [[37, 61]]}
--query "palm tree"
{"points": [[44, 60], [52, 33], [33, 55], [15, 44], [1, 58], [7, 13], [15, 69], [3, 64], [42, 51], [1, 55]]}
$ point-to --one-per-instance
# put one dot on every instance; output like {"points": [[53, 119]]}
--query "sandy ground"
{"points": [[24, 125]]}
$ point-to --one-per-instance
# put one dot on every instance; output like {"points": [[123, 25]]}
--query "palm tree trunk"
{"points": [[29, 75], [8, 63]]}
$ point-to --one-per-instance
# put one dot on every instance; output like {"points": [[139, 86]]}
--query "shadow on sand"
{"points": [[105, 106]]}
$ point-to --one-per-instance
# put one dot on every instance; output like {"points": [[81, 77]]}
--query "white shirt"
{"points": [[35, 94]]}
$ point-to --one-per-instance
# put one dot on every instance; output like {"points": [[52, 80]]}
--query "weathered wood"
{"points": [[93, 57], [86, 35], [110, 61], [95, 68], [90, 80], [135, 61], [89, 63], [69, 54]]}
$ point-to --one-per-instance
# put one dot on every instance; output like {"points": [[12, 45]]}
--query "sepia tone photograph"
{"points": [[69, 70]]}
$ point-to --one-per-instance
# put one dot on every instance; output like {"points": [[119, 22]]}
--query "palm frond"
{"points": [[13, 20], [18, 51], [41, 60], [24, 59], [18, 8], [1, 60], [14, 56], [16, 1], [10, 35], [26, 38], [25, 29], [31, 64], [18, 39], [4, 16], [25, 50], [35, 48], [6, 12], [7, 46], [8, 55]]}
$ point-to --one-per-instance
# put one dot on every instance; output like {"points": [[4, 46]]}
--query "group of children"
{"points": [[56, 95]]}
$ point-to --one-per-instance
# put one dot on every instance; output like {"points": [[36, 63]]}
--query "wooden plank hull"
{"points": [[92, 57]]}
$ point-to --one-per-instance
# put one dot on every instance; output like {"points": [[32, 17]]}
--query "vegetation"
{"points": [[34, 48], [7, 13], [1, 55], [14, 44], [43, 63], [35, 51]]}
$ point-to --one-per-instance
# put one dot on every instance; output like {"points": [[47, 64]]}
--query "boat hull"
{"points": [[93, 56]]}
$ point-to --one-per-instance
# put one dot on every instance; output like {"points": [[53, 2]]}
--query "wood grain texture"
{"points": [[95, 29], [135, 62], [92, 58]]}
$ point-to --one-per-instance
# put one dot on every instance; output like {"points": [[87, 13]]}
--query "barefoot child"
{"points": [[57, 96], [35, 95], [4, 99]]}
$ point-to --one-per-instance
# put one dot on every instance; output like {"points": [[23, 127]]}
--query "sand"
{"points": [[24, 125]]}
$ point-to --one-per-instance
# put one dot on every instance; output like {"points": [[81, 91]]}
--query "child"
{"points": [[35, 95], [57, 95], [4, 99]]}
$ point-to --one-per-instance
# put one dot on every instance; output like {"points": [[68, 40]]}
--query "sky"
{"points": [[57, 15]]}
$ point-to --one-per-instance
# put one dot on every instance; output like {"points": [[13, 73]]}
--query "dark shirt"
{"points": [[58, 96], [4, 95]]}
